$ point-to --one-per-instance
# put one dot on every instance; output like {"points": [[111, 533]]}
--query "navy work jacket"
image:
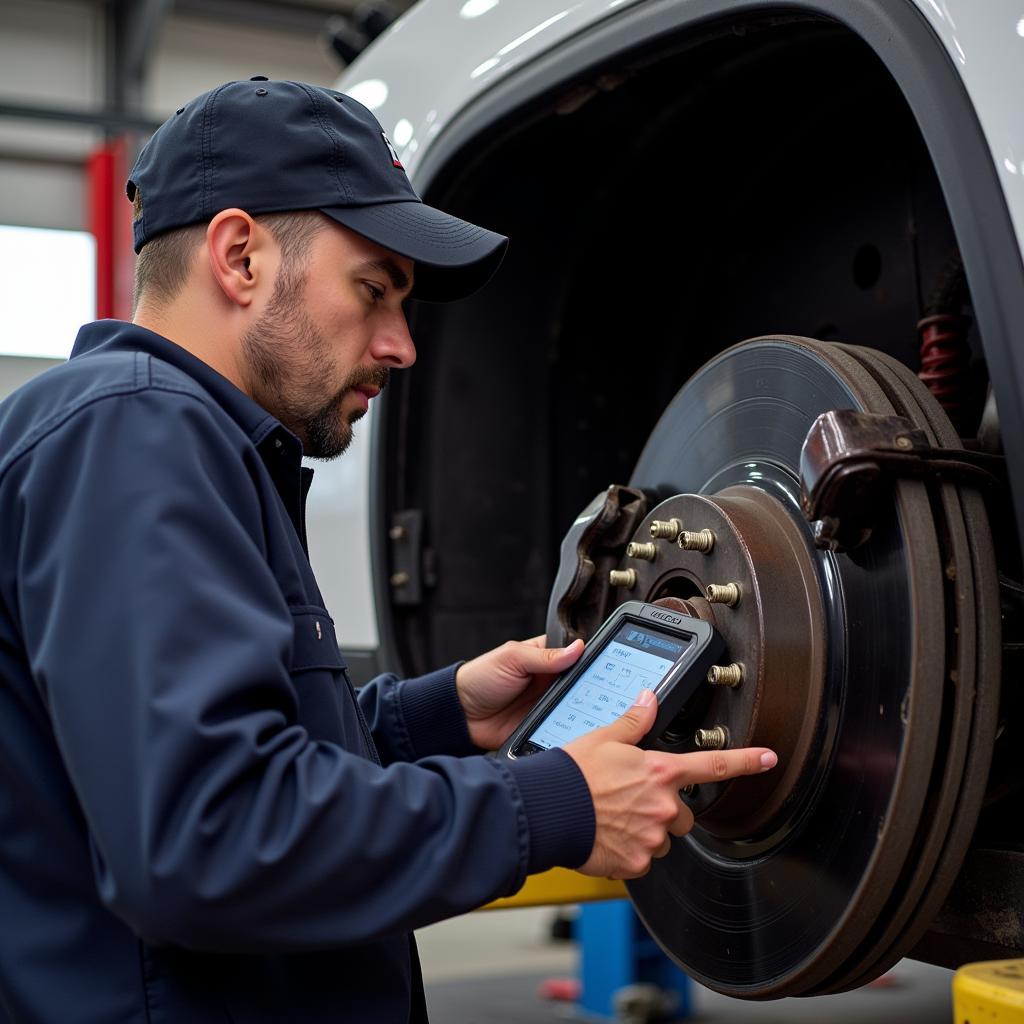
{"points": [[200, 821]]}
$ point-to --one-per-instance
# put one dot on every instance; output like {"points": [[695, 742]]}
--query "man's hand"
{"points": [[636, 792], [498, 688]]}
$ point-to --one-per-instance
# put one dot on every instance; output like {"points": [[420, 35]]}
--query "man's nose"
{"points": [[393, 344]]}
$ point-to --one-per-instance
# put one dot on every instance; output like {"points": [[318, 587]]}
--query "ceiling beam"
{"points": [[299, 18], [141, 21], [132, 30], [104, 117]]}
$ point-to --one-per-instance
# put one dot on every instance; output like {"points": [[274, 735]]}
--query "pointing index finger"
{"points": [[720, 765]]}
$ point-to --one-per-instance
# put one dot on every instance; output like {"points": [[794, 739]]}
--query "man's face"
{"points": [[327, 339]]}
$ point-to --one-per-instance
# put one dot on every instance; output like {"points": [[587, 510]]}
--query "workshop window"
{"points": [[47, 290]]}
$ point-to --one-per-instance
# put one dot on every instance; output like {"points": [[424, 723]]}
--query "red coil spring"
{"points": [[946, 360]]}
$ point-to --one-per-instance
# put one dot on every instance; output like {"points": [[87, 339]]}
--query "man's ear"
{"points": [[238, 255]]}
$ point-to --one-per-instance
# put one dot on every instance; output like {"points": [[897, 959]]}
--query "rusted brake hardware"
{"points": [[849, 457], [590, 550]]}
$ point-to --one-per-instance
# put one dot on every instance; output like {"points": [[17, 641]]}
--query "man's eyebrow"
{"points": [[399, 278]]}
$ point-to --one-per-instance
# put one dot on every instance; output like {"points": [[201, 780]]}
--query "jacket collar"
{"points": [[117, 335], [279, 448]]}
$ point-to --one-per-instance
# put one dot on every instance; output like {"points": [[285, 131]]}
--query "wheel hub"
{"points": [[775, 633]]}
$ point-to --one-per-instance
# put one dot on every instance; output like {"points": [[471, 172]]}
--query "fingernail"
{"points": [[768, 760], [645, 698]]}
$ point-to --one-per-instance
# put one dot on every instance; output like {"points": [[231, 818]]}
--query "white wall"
{"points": [[15, 371], [195, 54]]}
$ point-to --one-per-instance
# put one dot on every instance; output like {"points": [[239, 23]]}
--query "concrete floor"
{"points": [[485, 968]]}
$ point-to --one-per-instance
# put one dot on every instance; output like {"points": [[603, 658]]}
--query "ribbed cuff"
{"points": [[559, 809], [433, 714]]}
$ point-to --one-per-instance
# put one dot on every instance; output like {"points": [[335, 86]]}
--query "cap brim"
{"points": [[453, 257]]}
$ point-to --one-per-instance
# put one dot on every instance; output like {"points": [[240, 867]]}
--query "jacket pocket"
{"points": [[327, 702], [314, 646]]}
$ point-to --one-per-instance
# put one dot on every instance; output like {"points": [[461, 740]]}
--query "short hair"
{"points": [[164, 263]]}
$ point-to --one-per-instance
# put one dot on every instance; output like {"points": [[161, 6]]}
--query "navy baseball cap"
{"points": [[270, 146]]}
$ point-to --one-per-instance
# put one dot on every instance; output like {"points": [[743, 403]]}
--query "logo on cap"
{"points": [[391, 150]]}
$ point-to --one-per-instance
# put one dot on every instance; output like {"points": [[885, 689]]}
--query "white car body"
{"points": [[435, 67]]}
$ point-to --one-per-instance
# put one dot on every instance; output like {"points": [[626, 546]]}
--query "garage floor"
{"points": [[485, 968]]}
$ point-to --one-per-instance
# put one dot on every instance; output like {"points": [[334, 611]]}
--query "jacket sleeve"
{"points": [[416, 718], [160, 641]]}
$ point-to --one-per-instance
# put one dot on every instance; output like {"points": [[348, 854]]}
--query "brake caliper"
{"points": [[581, 594]]}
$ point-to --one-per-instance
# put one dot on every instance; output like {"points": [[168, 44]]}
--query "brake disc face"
{"points": [[788, 881], [775, 635]]}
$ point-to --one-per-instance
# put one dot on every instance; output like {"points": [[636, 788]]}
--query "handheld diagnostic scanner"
{"points": [[640, 646]]}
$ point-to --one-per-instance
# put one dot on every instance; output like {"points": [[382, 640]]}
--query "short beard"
{"points": [[284, 354]]}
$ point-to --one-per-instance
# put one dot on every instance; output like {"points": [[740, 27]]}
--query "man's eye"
{"points": [[375, 293]]}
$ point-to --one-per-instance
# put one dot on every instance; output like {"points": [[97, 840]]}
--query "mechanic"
{"points": [[200, 820]]}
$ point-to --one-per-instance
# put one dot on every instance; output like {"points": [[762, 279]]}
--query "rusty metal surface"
{"points": [[913, 701], [843, 467], [580, 596], [850, 458], [776, 631], [971, 692], [957, 583]]}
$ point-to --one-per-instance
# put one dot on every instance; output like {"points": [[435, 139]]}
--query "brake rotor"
{"points": [[781, 886], [971, 692], [775, 634]]}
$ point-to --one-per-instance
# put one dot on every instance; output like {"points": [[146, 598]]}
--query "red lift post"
{"points": [[110, 221]]}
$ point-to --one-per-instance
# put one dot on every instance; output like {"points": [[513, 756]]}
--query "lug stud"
{"points": [[725, 675], [662, 530], [644, 551], [400, 579], [622, 578], [727, 594], [702, 541], [715, 738]]}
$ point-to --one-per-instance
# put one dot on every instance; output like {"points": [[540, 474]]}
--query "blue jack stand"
{"points": [[616, 952]]}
